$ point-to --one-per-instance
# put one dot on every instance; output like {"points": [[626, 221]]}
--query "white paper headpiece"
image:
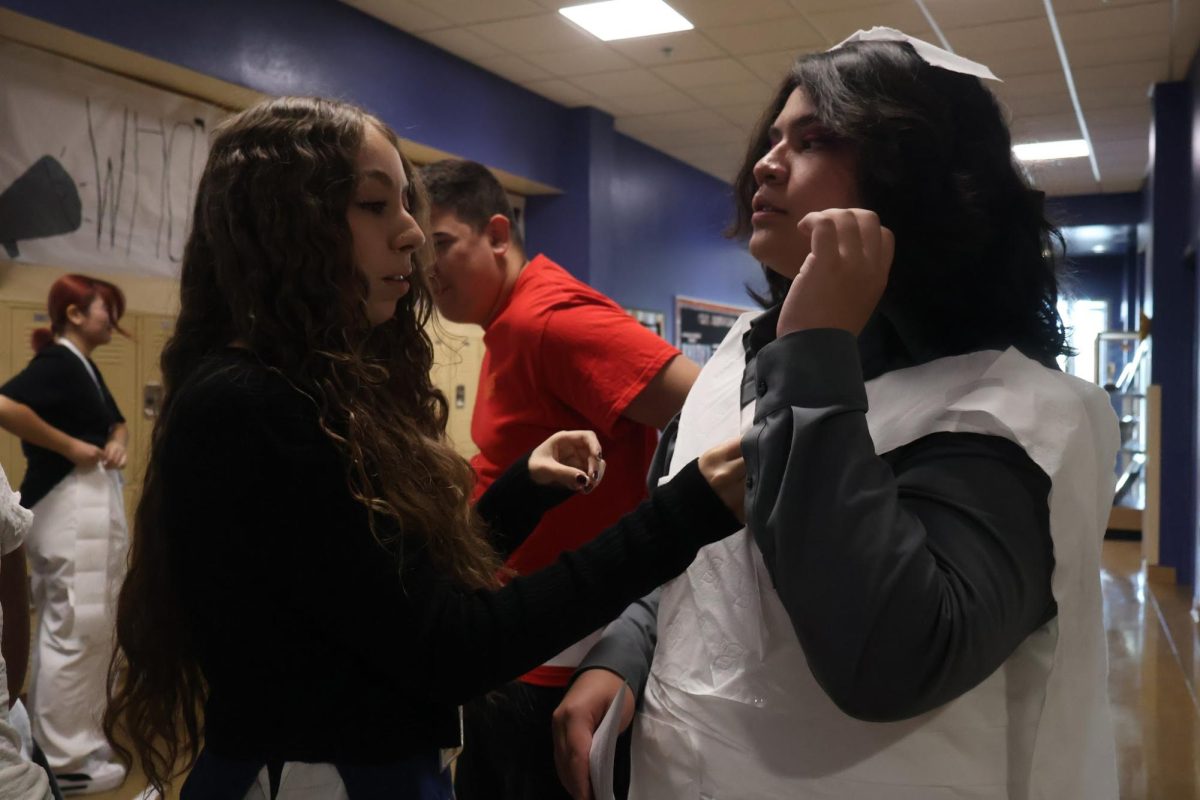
{"points": [[933, 55]]}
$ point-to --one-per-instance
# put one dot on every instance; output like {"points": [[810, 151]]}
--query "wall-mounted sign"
{"points": [[701, 325], [653, 321], [97, 172]]}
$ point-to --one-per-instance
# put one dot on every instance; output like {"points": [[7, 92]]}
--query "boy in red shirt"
{"points": [[560, 355]]}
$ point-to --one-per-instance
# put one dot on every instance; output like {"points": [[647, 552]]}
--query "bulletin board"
{"points": [[701, 326], [653, 321]]}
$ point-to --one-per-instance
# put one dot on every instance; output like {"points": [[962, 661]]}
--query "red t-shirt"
{"points": [[562, 356]]}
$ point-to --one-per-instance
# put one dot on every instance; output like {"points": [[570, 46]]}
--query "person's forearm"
{"points": [[14, 599], [23, 422], [119, 434], [627, 646]]}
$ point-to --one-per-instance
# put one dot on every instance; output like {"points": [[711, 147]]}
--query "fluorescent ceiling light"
{"points": [[626, 19], [1050, 151]]}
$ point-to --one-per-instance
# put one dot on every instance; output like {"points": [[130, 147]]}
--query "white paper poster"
{"points": [[97, 172]]}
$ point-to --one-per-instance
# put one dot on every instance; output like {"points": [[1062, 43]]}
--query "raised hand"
{"points": [[568, 458], [842, 279]]}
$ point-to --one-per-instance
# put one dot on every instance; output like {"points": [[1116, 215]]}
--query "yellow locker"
{"points": [[10, 448], [458, 356], [23, 319], [152, 332]]}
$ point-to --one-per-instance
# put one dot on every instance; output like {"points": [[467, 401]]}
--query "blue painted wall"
{"points": [[1193, 244], [665, 232], [1103, 277], [1171, 301]]}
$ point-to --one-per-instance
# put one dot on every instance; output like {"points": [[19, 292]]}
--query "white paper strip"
{"points": [[933, 55]]}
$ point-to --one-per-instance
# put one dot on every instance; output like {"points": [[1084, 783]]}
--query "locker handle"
{"points": [[152, 398]]}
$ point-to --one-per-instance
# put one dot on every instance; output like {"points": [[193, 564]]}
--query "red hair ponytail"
{"points": [[78, 291]]}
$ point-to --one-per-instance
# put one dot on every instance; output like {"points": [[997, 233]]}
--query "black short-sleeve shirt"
{"points": [[57, 386]]}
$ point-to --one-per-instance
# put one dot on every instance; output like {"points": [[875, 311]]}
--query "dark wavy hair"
{"points": [[471, 191], [268, 265], [975, 262]]}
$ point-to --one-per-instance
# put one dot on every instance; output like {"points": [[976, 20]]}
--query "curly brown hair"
{"points": [[268, 265]]}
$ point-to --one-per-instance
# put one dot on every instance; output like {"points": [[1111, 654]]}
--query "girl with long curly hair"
{"points": [[310, 596]]}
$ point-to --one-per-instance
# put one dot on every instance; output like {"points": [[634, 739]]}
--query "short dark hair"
{"points": [[974, 264], [471, 191]]}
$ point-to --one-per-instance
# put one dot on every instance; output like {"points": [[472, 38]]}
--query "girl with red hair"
{"points": [[74, 439]]}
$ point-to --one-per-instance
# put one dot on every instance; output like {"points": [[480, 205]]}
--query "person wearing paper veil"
{"points": [[74, 437], [914, 609]]}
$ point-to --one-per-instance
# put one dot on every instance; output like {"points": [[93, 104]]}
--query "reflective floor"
{"points": [[1154, 664]]}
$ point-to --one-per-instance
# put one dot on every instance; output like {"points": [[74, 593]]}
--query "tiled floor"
{"points": [[1154, 664]]}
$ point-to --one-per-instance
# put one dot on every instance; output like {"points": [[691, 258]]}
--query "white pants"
{"points": [[77, 547]]}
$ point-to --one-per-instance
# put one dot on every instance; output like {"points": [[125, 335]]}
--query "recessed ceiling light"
{"points": [[1099, 248], [1049, 151], [626, 19]]}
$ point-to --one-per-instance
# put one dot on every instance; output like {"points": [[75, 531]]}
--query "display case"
{"points": [[1123, 369]]}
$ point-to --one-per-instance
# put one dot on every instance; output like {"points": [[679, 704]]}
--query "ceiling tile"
{"points": [[1012, 64], [466, 12], [463, 43], [622, 83], [790, 33], [1114, 23], [1070, 176], [1036, 85], [713, 13], [1071, 6], [1098, 97], [546, 33], [561, 92], [679, 120], [744, 115], [408, 17], [1126, 153], [1044, 128], [670, 48], [951, 14], [838, 24], [656, 103], [979, 42], [580, 61], [1100, 52], [1124, 183], [691, 138], [1036, 104], [771, 67], [1185, 38], [715, 72], [1140, 74], [753, 93], [514, 68]]}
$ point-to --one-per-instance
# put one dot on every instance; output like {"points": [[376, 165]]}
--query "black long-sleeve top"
{"points": [[58, 388], [316, 644], [909, 576]]}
